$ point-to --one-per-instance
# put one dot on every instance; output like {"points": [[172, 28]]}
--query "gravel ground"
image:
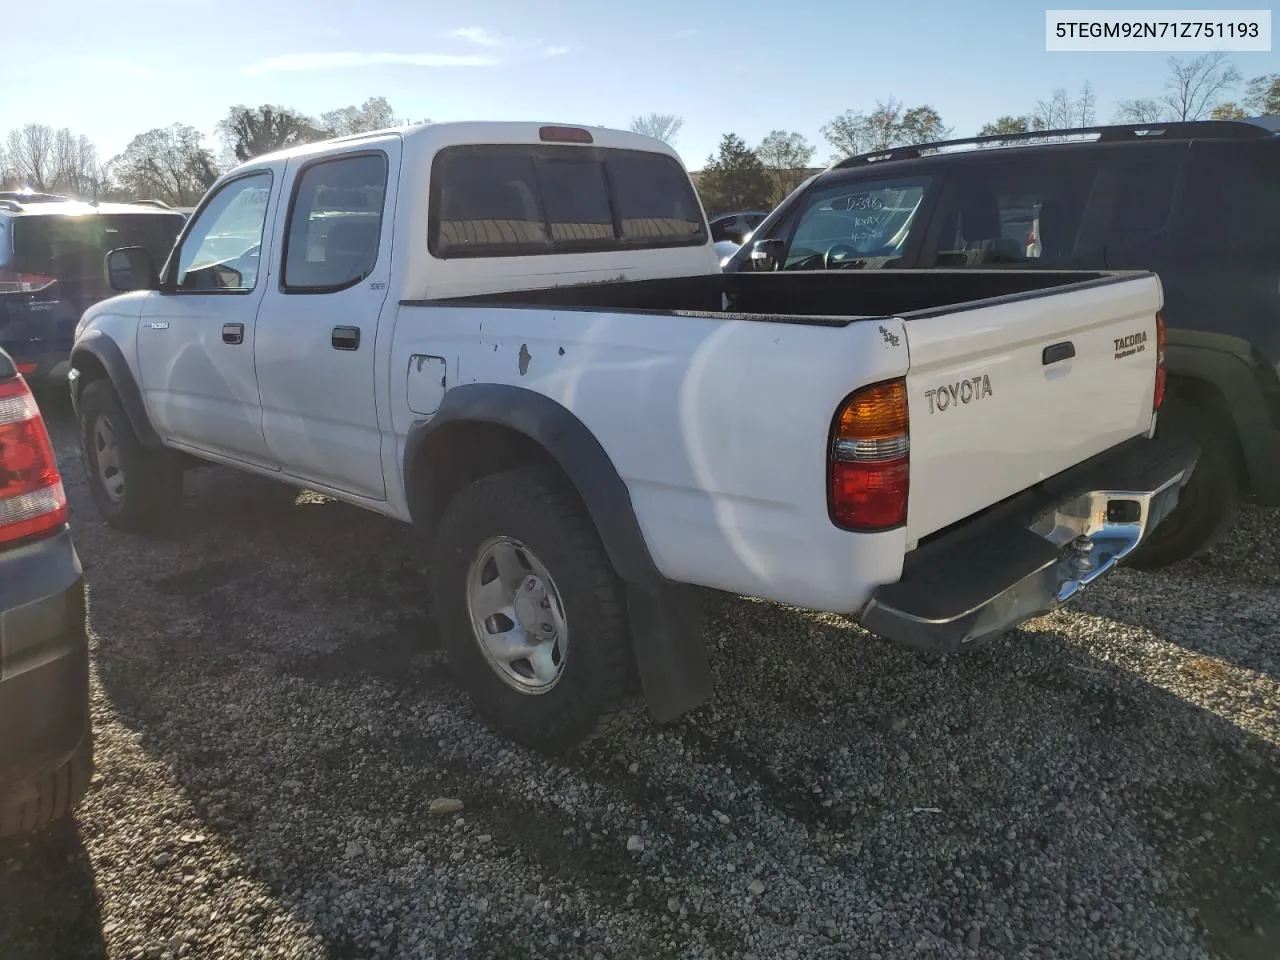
{"points": [[273, 719]]}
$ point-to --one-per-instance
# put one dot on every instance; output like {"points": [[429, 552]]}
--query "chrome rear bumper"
{"points": [[1034, 553]]}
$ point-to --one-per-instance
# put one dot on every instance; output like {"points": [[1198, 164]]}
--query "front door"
{"points": [[316, 342], [195, 341]]}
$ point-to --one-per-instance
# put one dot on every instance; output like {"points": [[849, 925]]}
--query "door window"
{"points": [[335, 223], [221, 251], [861, 225], [1144, 200], [1015, 216]]}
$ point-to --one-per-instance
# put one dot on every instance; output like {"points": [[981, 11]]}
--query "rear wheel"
{"points": [[531, 610], [1207, 505], [133, 487], [52, 797]]}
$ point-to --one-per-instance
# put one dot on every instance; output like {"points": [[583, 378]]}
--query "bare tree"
{"points": [[1063, 111], [374, 114], [1195, 86], [75, 161], [888, 125], [167, 163], [660, 126], [31, 154], [1086, 113], [786, 156], [1142, 110]]}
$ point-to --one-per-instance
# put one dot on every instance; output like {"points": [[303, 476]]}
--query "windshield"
{"points": [[71, 247], [856, 225]]}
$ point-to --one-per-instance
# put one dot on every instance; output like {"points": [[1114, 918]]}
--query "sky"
{"points": [[113, 68]]}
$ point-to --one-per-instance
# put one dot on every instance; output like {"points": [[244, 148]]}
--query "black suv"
{"points": [[46, 745], [1198, 203], [51, 268]]}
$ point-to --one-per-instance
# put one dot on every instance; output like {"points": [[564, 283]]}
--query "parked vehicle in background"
{"points": [[1195, 202], [51, 251], [46, 745], [736, 227], [725, 249], [518, 339]]}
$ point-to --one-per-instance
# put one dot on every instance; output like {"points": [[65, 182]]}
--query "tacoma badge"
{"points": [[1128, 346]]}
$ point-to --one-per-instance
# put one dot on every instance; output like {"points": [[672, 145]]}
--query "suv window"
{"points": [[1144, 199], [221, 250], [1014, 215], [335, 223], [511, 200], [863, 224], [72, 247]]}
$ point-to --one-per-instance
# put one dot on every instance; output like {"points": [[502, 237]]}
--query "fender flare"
{"points": [[107, 353], [671, 655], [569, 442], [1232, 376]]}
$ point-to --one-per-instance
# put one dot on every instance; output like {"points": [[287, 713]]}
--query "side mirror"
{"points": [[767, 254], [131, 268]]}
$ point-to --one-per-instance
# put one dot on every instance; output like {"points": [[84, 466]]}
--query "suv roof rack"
{"points": [[31, 196], [152, 203], [1174, 130]]}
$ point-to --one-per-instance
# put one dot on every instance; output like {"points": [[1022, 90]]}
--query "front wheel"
{"points": [[133, 487], [531, 610]]}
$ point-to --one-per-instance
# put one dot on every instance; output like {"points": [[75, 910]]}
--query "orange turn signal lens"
{"points": [[877, 412]]}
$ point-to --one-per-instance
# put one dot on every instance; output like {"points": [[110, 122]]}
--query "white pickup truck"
{"points": [[517, 338]]}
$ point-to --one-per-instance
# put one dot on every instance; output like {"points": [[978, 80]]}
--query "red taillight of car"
{"points": [[32, 500], [1158, 397], [11, 281], [869, 459]]}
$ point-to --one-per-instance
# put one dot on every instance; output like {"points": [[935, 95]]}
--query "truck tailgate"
{"points": [[1007, 392]]}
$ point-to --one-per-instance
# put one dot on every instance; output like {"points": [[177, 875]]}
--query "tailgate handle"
{"points": [[1057, 352]]}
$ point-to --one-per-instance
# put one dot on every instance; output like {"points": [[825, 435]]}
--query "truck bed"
{"points": [[823, 298]]}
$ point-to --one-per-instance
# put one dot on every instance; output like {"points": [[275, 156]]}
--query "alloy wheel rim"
{"points": [[517, 616]]}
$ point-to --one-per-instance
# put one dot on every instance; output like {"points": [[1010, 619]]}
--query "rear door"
{"points": [[315, 350], [1006, 393]]}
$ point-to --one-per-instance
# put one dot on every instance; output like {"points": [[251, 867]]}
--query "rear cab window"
{"points": [[507, 200]]}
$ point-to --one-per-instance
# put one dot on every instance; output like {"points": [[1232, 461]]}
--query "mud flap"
{"points": [[671, 656]]}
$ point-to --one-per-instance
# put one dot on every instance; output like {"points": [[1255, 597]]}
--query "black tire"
{"points": [[596, 687], [152, 494], [1210, 501], [56, 795]]}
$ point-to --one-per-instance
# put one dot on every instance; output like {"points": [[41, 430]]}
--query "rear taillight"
{"points": [[11, 281], [32, 500], [868, 462], [1158, 397]]}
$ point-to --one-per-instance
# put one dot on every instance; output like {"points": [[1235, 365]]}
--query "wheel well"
{"points": [[90, 368], [461, 453], [1210, 401]]}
